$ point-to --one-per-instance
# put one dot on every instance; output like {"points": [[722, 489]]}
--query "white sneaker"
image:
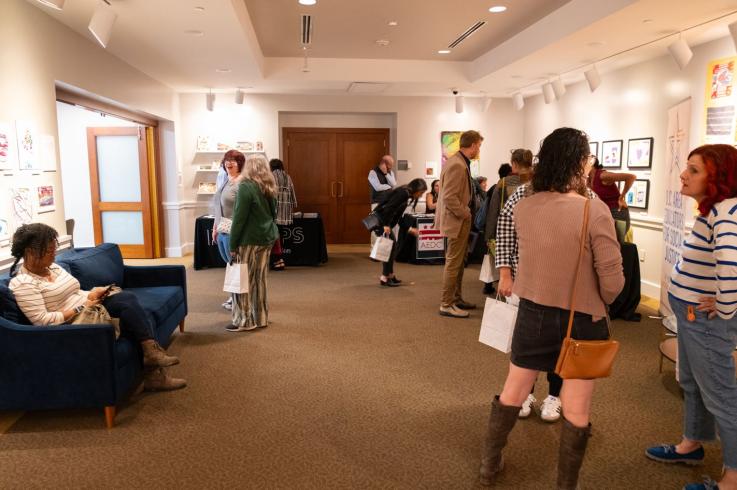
{"points": [[228, 305], [526, 409], [550, 409]]}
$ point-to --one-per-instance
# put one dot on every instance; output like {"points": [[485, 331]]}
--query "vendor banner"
{"points": [[430, 243], [676, 207]]}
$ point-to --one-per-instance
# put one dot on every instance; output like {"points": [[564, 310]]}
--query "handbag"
{"points": [[236, 278], [489, 273], [585, 359], [497, 324], [382, 249], [371, 222], [96, 315], [224, 225]]}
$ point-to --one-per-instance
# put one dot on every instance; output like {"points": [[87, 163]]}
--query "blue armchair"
{"points": [[84, 366]]}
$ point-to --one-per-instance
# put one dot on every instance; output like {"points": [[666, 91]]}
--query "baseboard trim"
{"points": [[185, 249]]}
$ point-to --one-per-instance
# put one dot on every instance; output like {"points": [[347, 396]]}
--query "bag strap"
{"points": [[584, 230], [504, 188]]}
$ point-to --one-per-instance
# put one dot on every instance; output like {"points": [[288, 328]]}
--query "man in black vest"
{"points": [[381, 180]]}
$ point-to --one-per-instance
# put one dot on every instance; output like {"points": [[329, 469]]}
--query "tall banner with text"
{"points": [[676, 155]]}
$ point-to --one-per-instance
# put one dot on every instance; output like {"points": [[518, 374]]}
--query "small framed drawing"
{"points": [[640, 153], [206, 188], [594, 148], [639, 195], [611, 154]]}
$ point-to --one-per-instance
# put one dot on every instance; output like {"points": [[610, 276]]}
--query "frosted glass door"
{"points": [[120, 189]]}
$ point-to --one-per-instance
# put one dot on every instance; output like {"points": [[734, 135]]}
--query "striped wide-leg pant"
{"points": [[251, 309]]}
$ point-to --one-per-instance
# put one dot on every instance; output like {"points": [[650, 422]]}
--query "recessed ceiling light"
{"points": [[497, 9], [382, 42], [199, 9], [222, 70], [647, 21], [393, 23], [595, 44], [307, 2], [194, 32], [444, 51], [516, 77]]}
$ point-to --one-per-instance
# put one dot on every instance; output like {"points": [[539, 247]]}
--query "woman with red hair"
{"points": [[703, 296]]}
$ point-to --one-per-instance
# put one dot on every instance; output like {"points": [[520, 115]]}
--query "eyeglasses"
{"points": [[230, 163]]}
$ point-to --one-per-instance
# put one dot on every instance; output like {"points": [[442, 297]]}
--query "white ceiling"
{"points": [[258, 41]]}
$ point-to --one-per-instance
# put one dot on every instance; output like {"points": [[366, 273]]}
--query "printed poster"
{"points": [[45, 199], [8, 155], [27, 146], [720, 113]]}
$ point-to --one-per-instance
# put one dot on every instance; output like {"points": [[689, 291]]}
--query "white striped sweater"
{"points": [[708, 265], [43, 301]]}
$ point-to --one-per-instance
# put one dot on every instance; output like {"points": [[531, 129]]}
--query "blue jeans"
{"points": [[707, 376], [224, 246]]}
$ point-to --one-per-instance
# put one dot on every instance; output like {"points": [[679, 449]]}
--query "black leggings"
{"points": [[133, 321], [555, 383]]}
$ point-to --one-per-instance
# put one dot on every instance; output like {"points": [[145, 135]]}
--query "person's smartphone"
{"points": [[106, 292]]}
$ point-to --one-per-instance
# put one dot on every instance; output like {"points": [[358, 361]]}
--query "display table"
{"points": [[626, 303], [303, 243], [429, 249]]}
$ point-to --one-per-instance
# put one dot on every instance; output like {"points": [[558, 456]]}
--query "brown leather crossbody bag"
{"points": [[585, 359]]}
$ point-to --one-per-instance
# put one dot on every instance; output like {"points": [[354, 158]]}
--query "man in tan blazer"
{"points": [[453, 218]]}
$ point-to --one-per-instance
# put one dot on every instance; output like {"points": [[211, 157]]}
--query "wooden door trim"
{"points": [[66, 96]]}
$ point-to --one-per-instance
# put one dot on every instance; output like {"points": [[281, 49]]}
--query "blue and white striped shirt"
{"points": [[708, 265]]}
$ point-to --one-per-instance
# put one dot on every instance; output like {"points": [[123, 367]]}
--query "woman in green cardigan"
{"points": [[252, 235]]}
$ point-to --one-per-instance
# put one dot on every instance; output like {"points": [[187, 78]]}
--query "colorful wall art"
{"points": [[611, 154], [8, 155], [27, 145], [640, 153], [638, 195], [21, 205], [45, 199]]}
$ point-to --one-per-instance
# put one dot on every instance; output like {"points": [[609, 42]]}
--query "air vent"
{"points": [[306, 29], [465, 35], [367, 87]]}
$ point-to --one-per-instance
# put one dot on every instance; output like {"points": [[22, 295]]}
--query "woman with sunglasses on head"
{"points": [[703, 296]]}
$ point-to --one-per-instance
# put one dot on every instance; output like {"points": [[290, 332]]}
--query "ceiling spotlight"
{"points": [[518, 101], [681, 53], [307, 2], [239, 96], [210, 101], [222, 70], [305, 65], [733, 32], [548, 93], [559, 88], [199, 9], [101, 25], [486, 104], [54, 4], [593, 78], [392, 23], [444, 51], [497, 9], [459, 102]]}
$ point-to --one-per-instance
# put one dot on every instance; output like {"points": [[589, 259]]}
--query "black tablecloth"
{"points": [[628, 300], [303, 243]]}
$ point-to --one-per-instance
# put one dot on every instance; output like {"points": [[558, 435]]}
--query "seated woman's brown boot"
{"points": [[156, 379], [501, 423], [155, 356]]}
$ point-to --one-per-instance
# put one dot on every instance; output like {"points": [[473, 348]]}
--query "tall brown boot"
{"points": [[573, 442], [501, 423]]}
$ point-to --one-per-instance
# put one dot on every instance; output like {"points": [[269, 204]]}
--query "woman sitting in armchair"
{"points": [[48, 295]]}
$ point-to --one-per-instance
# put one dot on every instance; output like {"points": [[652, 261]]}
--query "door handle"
{"points": [[332, 189], [341, 189]]}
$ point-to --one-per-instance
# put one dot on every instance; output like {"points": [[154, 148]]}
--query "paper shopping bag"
{"points": [[382, 249], [489, 273], [497, 325], [236, 278]]}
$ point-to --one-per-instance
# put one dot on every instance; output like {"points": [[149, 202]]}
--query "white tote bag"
{"points": [[236, 278], [497, 324], [382, 249], [489, 273]]}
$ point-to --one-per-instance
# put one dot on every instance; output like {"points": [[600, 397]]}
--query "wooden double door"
{"points": [[329, 168]]}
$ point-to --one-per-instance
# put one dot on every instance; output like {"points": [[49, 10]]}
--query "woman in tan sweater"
{"points": [[548, 224]]}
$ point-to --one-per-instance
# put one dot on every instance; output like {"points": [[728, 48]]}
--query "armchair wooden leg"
{"points": [[181, 325], [110, 416]]}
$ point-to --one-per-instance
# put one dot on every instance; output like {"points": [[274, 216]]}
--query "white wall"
{"points": [[74, 164], [633, 103], [416, 123]]}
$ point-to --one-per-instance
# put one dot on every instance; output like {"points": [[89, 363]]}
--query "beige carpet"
{"points": [[352, 386]]}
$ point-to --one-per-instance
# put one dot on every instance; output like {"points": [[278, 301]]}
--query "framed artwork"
{"points": [[449, 146], [8, 155], [21, 205], [206, 188], [640, 153], [639, 195], [594, 148], [4, 230], [45, 202], [28, 158], [611, 154], [432, 170], [203, 143]]}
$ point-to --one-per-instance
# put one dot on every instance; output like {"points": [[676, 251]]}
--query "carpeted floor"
{"points": [[352, 386]]}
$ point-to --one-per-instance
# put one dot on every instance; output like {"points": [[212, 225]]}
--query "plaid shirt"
{"points": [[507, 246]]}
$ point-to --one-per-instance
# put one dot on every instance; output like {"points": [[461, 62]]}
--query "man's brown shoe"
{"points": [[465, 306], [453, 312]]}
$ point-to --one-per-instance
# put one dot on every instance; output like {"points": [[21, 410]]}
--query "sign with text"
{"points": [[720, 113], [676, 207], [430, 243]]}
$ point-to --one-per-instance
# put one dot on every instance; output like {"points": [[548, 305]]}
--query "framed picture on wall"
{"points": [[594, 148], [640, 153], [611, 154], [639, 195]]}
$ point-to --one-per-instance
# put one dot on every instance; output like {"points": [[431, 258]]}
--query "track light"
{"points": [[593, 78], [459, 104], [518, 101], [548, 93], [681, 52], [733, 32], [486, 104], [54, 4], [101, 25], [239, 96], [559, 88], [210, 100]]}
